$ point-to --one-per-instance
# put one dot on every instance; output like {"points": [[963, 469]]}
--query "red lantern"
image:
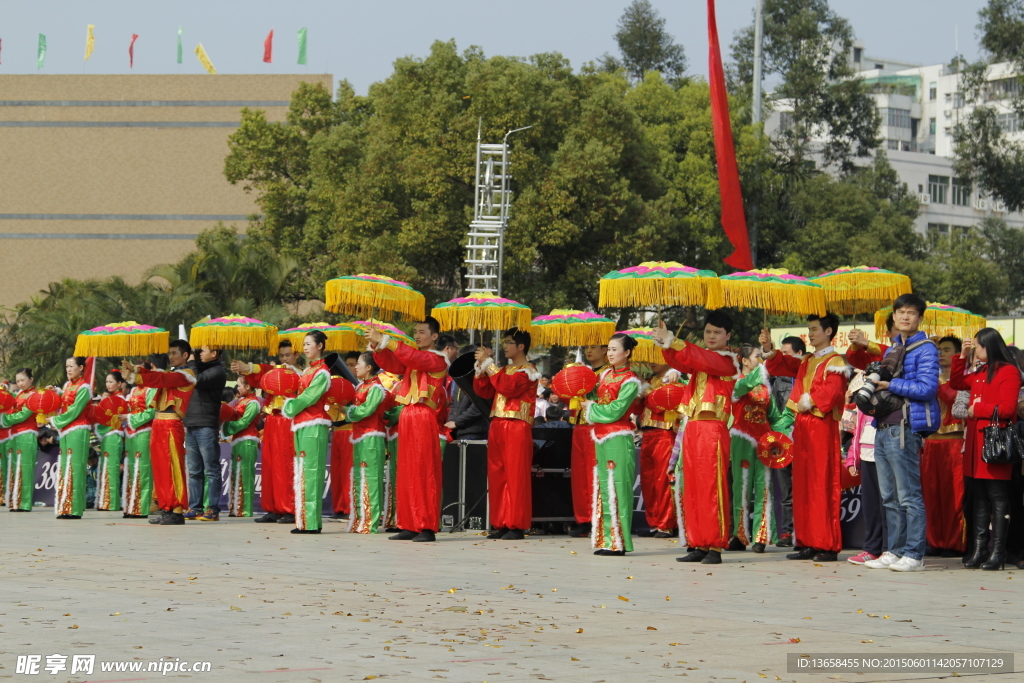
{"points": [[775, 450], [573, 383], [667, 398], [281, 382], [7, 400], [44, 402], [108, 409], [340, 393], [227, 413]]}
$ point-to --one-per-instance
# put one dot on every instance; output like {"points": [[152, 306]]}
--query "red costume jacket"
{"points": [[423, 374], [512, 387], [1001, 393], [175, 388]]}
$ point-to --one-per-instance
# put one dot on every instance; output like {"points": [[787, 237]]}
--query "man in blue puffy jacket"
{"points": [[899, 437]]}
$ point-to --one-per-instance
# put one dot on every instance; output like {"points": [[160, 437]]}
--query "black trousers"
{"points": [[876, 539], [784, 482]]}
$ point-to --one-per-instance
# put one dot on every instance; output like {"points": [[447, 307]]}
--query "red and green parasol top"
{"points": [[362, 325], [482, 311], [563, 327], [660, 283], [339, 337], [647, 349], [234, 332], [861, 288], [121, 340], [774, 290], [366, 293]]}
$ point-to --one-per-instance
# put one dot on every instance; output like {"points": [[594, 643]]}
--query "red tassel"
{"points": [[733, 220]]}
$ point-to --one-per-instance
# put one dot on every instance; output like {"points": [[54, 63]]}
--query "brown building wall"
{"points": [[111, 175]]}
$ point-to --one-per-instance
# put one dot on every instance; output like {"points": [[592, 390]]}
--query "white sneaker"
{"points": [[907, 564], [883, 562]]}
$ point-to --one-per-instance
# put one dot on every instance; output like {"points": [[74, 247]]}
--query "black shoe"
{"points": [[19, 510], [160, 519], [713, 557], [69, 516], [497, 533], [802, 554], [286, 519], [696, 555], [735, 544], [826, 556], [663, 534], [580, 531], [173, 519], [514, 535], [785, 541], [758, 548], [613, 553], [269, 517], [391, 530], [425, 536], [403, 535], [305, 531]]}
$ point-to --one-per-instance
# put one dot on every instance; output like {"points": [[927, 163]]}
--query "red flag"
{"points": [[734, 221], [268, 47], [131, 51]]}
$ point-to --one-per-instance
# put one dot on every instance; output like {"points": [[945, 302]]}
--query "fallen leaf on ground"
{"points": [[623, 599], [579, 630], [794, 640]]}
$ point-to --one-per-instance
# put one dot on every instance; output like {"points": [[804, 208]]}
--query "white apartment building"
{"points": [[918, 107]]}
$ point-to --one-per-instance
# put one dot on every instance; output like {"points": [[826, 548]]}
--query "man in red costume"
{"points": [[423, 397], [277, 468], [818, 396], [583, 457], [703, 471], [513, 388], [167, 438], [863, 351]]}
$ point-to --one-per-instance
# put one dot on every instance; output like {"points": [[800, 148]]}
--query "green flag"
{"points": [[41, 52], [302, 46], [179, 45]]}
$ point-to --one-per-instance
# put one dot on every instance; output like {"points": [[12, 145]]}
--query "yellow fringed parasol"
{"points": [[362, 325], [647, 349], [339, 337], [564, 327], [774, 290], [234, 332], [121, 340], [660, 283], [852, 290], [482, 311], [365, 294], [939, 320]]}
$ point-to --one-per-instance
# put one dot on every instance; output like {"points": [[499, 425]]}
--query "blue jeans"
{"points": [[899, 481], [202, 459]]}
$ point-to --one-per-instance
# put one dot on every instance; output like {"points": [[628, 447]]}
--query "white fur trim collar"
{"points": [[443, 355], [528, 370], [844, 370], [189, 375]]}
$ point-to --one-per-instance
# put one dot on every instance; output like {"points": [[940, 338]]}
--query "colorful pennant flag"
{"points": [[41, 52], [204, 59], [179, 45], [131, 51], [302, 46], [90, 40], [268, 47], [734, 221]]}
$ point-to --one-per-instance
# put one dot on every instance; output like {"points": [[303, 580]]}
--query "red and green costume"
{"points": [[422, 396], [702, 483], [277, 468], [73, 426], [659, 429], [245, 441], [137, 491], [513, 389], [369, 451], [167, 435], [311, 430], [21, 447], [108, 474]]}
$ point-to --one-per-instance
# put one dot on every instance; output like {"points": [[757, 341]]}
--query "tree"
{"points": [[645, 45], [808, 45]]}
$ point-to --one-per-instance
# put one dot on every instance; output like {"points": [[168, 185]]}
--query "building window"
{"points": [[931, 126], [1011, 122], [938, 188], [961, 194], [933, 91], [785, 121], [896, 118], [880, 67], [958, 100], [892, 144], [858, 54]]}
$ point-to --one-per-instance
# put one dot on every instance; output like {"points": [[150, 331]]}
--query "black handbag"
{"points": [[1003, 445]]}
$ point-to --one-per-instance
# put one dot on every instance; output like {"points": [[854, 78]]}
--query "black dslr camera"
{"points": [[872, 401]]}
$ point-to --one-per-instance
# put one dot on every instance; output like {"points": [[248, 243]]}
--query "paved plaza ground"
{"points": [[264, 605]]}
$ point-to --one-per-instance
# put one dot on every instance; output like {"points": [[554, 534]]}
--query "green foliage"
{"points": [[1001, 27], [645, 45]]}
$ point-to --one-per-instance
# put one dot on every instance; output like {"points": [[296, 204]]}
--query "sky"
{"points": [[359, 40]]}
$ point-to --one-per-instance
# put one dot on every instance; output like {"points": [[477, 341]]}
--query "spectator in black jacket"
{"points": [[464, 419], [202, 443]]}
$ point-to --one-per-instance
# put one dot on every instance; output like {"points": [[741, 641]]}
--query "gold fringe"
{"points": [[572, 334], [122, 345], [664, 291], [938, 323], [647, 352], [341, 341], [227, 337], [774, 297], [361, 297], [470, 317], [852, 293]]}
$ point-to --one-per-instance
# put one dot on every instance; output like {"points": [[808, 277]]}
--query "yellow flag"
{"points": [[204, 59], [89, 41]]}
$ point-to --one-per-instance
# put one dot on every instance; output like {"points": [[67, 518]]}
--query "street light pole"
{"points": [[756, 110]]}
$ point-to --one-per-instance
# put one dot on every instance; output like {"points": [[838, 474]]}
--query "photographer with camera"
{"points": [[900, 393]]}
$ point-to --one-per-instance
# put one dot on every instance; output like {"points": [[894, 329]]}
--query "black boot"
{"points": [[1000, 527], [713, 557], [696, 555], [580, 531], [497, 533], [979, 529], [803, 554]]}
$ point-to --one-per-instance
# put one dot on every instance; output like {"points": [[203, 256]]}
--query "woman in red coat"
{"points": [[994, 386]]}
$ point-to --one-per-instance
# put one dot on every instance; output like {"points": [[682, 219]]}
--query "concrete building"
{"points": [[918, 107], [111, 175]]}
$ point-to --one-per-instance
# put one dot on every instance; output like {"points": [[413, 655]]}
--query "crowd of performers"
{"points": [[925, 487]]}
